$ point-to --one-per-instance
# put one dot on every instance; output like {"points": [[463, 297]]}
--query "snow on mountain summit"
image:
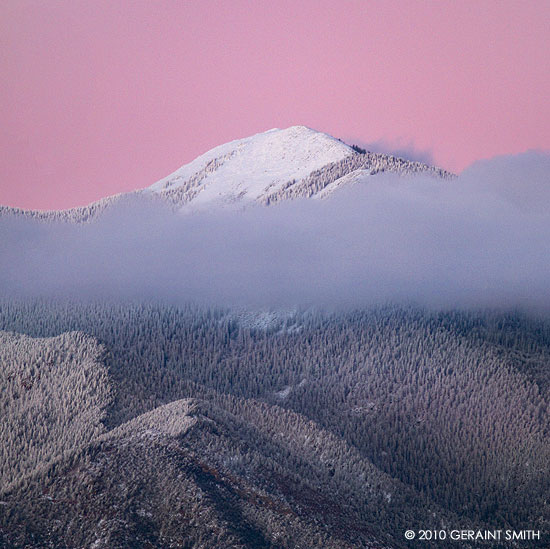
{"points": [[266, 168], [253, 167]]}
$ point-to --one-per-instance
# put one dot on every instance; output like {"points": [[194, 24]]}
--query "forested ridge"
{"points": [[289, 429]]}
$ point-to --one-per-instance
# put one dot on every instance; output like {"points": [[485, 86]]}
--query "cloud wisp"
{"points": [[399, 148]]}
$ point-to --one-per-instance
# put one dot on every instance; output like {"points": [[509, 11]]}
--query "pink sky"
{"points": [[103, 97]]}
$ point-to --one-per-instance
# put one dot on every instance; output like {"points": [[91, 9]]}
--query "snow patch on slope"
{"points": [[284, 319], [347, 180]]}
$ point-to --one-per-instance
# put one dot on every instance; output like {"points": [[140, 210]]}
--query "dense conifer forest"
{"points": [[151, 425]]}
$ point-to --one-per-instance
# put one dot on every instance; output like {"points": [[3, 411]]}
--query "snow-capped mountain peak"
{"points": [[265, 168], [254, 167]]}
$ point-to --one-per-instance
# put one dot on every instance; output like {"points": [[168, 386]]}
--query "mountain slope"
{"points": [[202, 473], [276, 165], [266, 168], [389, 414], [55, 392], [251, 167]]}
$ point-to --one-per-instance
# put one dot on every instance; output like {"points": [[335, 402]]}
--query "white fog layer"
{"points": [[481, 239]]}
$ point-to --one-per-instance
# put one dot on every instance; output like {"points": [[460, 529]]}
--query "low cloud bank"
{"points": [[480, 240]]}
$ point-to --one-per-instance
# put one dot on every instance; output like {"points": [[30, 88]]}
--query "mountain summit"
{"points": [[254, 167], [265, 168], [275, 165]]}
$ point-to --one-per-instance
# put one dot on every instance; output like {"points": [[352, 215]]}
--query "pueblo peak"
{"points": [[276, 165], [266, 168], [258, 164]]}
